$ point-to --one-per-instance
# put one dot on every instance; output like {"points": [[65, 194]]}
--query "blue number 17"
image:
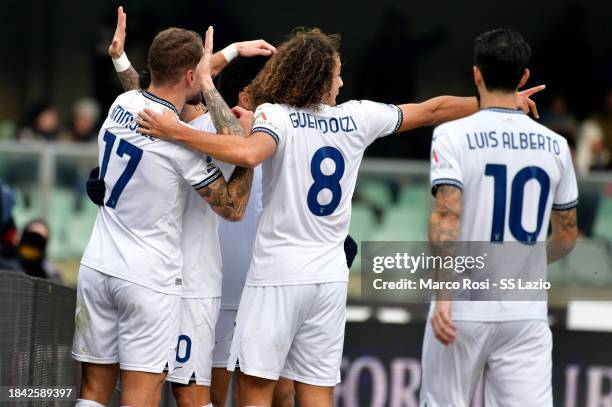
{"points": [[124, 147]]}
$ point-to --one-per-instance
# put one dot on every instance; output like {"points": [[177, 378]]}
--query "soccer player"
{"points": [[202, 266], [497, 176], [130, 280], [291, 317]]}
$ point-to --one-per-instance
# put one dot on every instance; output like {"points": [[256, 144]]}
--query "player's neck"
{"points": [[169, 95], [498, 99]]}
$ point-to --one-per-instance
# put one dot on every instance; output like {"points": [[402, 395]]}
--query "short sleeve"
{"points": [[380, 119], [268, 119], [445, 168], [566, 194], [197, 169]]}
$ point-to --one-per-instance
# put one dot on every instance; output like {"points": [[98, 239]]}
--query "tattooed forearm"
{"points": [[222, 116], [445, 219], [564, 234], [129, 79], [229, 199]]}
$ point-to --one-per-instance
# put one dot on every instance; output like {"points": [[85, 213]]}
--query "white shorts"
{"points": [[196, 340], [224, 332], [293, 331], [121, 322], [514, 358]]}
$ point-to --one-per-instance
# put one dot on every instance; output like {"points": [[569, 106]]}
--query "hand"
{"points": [[442, 324], [115, 50], [163, 125], [245, 118], [524, 100], [204, 68], [254, 48]]}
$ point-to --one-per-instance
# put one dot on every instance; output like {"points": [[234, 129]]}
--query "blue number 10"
{"points": [[499, 174], [124, 147]]}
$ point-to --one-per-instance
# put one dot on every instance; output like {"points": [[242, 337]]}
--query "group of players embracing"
{"points": [[219, 244]]}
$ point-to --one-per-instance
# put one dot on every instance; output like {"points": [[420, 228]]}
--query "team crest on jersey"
{"points": [[210, 166]]}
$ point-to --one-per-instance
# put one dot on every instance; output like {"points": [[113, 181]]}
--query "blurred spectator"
{"points": [[558, 118], [8, 232], [84, 124], [41, 123], [32, 251], [594, 146]]}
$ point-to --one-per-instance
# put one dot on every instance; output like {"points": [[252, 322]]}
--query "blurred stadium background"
{"points": [[57, 83]]}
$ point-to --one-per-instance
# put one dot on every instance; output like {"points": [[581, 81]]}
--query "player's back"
{"points": [[137, 231], [512, 172], [309, 183]]}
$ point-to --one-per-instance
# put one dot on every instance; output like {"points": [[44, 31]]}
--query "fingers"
{"points": [[264, 45], [444, 328], [534, 90], [238, 111], [533, 108], [208, 42]]}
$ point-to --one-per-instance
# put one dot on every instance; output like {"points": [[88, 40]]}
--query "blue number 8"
{"points": [[322, 181]]}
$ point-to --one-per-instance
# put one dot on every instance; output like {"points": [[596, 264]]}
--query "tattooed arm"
{"points": [[564, 234], [444, 226], [230, 199]]}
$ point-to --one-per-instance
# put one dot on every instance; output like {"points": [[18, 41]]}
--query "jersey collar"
{"points": [[503, 110], [159, 100]]}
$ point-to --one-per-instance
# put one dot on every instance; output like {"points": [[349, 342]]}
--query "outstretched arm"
{"points": [[445, 108], [245, 49]]}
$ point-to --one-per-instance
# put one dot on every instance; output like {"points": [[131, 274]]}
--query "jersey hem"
{"points": [[268, 132], [196, 296], [445, 181], [400, 118], [565, 206], [474, 318], [153, 287], [209, 180], [296, 282]]}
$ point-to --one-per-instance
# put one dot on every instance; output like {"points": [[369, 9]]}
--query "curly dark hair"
{"points": [[300, 74]]}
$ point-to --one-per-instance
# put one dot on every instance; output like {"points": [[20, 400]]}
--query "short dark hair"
{"points": [[502, 56], [172, 52], [237, 75]]}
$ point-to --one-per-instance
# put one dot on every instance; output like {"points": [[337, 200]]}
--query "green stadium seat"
{"points": [[603, 221], [590, 263], [375, 193], [403, 223]]}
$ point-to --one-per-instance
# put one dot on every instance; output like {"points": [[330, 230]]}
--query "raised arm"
{"points": [[245, 152], [445, 108], [245, 49], [125, 71]]}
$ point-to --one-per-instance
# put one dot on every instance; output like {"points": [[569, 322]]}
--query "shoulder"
{"points": [[458, 125], [204, 123]]}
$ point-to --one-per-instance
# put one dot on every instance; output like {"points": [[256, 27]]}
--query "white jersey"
{"points": [[137, 234], [237, 244], [309, 183], [202, 267], [513, 171]]}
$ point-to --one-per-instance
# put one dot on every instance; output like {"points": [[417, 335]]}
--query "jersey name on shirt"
{"points": [[512, 172], [137, 233], [309, 183]]}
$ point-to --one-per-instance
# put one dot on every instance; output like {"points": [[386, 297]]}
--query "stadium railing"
{"points": [[36, 329]]}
